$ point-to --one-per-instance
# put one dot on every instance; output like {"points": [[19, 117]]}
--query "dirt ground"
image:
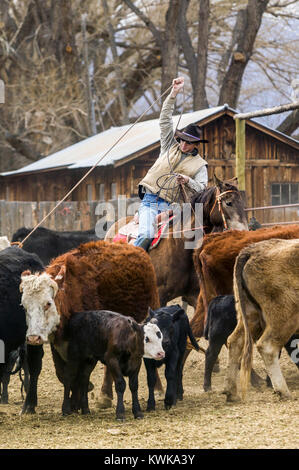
{"points": [[201, 421]]}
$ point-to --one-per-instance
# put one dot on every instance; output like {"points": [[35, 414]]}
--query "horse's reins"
{"points": [[218, 200], [20, 244]]}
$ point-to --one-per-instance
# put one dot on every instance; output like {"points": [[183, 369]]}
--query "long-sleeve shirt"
{"points": [[200, 179]]}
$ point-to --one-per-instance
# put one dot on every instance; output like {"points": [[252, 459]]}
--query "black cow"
{"points": [[49, 244], [13, 261], [117, 341], [254, 224], [221, 322], [174, 324]]}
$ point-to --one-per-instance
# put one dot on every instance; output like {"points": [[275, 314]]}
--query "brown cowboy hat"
{"points": [[192, 133]]}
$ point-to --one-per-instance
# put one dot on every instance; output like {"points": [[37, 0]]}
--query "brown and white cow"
{"points": [[94, 276], [214, 263], [266, 288]]}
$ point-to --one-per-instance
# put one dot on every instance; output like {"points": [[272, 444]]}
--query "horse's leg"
{"points": [[106, 394]]}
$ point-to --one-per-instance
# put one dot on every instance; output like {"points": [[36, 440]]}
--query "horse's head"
{"points": [[223, 206]]}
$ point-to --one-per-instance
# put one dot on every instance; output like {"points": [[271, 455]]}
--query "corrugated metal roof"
{"points": [[142, 135], [87, 152]]}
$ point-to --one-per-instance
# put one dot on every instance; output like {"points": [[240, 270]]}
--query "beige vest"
{"points": [[160, 172]]}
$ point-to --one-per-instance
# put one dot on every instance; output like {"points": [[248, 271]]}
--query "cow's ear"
{"points": [[150, 312], [54, 286], [60, 276], [24, 274], [178, 314]]}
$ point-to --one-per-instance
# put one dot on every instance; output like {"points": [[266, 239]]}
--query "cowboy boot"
{"points": [[145, 243]]}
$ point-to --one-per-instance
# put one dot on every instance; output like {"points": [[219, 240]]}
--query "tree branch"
{"points": [[148, 23]]}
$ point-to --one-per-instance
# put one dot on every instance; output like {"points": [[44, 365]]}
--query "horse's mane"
{"points": [[204, 197], [207, 195]]}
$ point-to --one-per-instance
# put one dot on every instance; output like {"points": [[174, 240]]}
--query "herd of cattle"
{"points": [[94, 300]]}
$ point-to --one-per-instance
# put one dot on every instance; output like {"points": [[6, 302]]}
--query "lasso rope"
{"points": [[20, 244]]}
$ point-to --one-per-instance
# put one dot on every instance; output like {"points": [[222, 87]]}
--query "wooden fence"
{"points": [[72, 215], [275, 215], [76, 215]]}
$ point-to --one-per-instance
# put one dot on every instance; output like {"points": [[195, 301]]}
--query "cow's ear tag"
{"points": [[60, 277]]}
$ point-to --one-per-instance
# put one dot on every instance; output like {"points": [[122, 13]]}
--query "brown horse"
{"points": [[223, 208]]}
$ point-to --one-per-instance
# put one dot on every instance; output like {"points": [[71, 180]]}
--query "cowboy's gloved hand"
{"points": [[177, 85], [182, 179]]}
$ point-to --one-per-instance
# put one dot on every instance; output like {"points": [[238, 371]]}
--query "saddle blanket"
{"points": [[129, 232]]}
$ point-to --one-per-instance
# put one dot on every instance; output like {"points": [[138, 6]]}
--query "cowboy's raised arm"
{"points": [[165, 120]]}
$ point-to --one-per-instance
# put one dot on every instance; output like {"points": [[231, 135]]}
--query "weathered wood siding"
{"points": [[267, 161]]}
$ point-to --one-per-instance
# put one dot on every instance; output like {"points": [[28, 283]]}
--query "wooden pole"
{"points": [[267, 111], [240, 135], [240, 153]]}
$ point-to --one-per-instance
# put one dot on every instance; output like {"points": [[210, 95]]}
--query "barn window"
{"points": [[101, 191], [284, 193], [113, 191]]}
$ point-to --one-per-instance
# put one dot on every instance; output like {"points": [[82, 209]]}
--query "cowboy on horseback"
{"points": [[178, 152]]}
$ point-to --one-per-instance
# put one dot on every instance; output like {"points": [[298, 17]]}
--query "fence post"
{"points": [[240, 153]]}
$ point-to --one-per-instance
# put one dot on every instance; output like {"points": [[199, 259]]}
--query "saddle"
{"points": [[129, 232]]}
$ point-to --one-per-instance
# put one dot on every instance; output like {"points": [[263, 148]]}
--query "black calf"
{"points": [[113, 339], [221, 322], [175, 327]]}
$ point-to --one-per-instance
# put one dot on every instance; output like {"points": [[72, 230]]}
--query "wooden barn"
{"points": [[271, 170]]}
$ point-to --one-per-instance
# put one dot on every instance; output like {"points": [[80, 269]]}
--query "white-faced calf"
{"points": [[117, 341], [174, 324]]}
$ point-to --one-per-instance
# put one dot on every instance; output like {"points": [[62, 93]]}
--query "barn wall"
{"points": [[267, 161]]}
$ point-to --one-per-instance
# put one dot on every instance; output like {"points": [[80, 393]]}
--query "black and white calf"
{"points": [[174, 324], [221, 322], [117, 341]]}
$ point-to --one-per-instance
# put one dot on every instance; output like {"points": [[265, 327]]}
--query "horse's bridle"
{"points": [[218, 199]]}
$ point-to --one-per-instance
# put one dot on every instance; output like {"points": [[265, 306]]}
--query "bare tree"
{"points": [[135, 49], [166, 40], [247, 25]]}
